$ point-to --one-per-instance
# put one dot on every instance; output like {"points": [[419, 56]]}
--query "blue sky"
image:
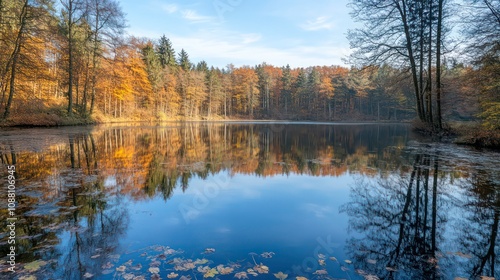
{"points": [[245, 32]]}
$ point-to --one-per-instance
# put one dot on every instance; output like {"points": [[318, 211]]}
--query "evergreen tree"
{"points": [[184, 62], [166, 52]]}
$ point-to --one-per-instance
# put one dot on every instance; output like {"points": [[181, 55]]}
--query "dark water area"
{"points": [[247, 200]]}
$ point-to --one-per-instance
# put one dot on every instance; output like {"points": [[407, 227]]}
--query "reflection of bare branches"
{"points": [[399, 217], [478, 231]]}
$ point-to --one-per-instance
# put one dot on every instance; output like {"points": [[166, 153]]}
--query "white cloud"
{"points": [[193, 16], [220, 48], [170, 8], [318, 24], [318, 210], [251, 38]]}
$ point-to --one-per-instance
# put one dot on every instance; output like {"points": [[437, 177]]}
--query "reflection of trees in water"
{"points": [[70, 204], [401, 217], [99, 219], [196, 151], [478, 230]]}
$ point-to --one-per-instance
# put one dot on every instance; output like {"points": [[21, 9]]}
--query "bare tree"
{"points": [[400, 33]]}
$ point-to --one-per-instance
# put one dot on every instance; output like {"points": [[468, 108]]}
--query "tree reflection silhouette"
{"points": [[478, 230], [400, 216]]}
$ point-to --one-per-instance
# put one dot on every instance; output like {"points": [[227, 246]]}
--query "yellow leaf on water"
{"points": [[241, 275], [211, 273], [224, 270], [262, 269], [280, 275], [348, 261], [300, 278], [321, 272], [154, 270], [34, 266], [172, 275], [31, 277]]}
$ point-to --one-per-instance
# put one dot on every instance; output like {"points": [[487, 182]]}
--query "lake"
{"points": [[248, 200]]}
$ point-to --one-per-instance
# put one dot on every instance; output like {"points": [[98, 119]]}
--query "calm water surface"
{"points": [[231, 201]]}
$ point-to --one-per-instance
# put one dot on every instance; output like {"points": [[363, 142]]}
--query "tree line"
{"points": [[71, 58]]}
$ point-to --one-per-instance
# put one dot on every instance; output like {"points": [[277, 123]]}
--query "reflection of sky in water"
{"points": [[100, 219], [283, 214]]}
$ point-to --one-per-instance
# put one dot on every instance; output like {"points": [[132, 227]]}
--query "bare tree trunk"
{"points": [[409, 48], [438, 64], [15, 56], [428, 96]]}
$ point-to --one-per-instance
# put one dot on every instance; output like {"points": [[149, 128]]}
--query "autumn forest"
{"points": [[71, 62]]}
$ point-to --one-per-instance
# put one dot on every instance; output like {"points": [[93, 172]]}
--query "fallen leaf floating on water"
{"points": [[361, 272], [154, 263], [348, 261], [34, 266], [129, 276], [370, 261], [241, 275], [88, 275], [108, 265], [300, 278], [267, 255], [154, 270], [31, 277], [252, 272], [137, 267], [139, 278], [155, 277], [189, 265], [460, 278], [280, 275], [202, 261], [321, 272], [487, 278], [121, 268], [391, 269], [172, 275], [185, 278], [321, 262], [333, 259], [107, 271], [262, 269], [224, 270], [169, 251], [321, 256], [211, 273], [203, 269], [209, 251], [95, 256], [371, 277]]}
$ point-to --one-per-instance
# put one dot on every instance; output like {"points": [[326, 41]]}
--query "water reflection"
{"points": [[478, 230], [415, 213], [407, 219]]}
